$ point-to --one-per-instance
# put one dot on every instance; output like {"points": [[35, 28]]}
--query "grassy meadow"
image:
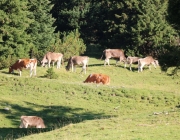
{"points": [[135, 106]]}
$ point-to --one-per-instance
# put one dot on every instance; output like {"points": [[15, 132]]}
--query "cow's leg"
{"points": [[49, 63], [20, 72], [84, 69], [58, 64], [154, 64], [72, 68], [140, 67], [130, 66], [149, 67], [106, 61], [53, 64], [116, 62], [125, 63], [31, 71]]}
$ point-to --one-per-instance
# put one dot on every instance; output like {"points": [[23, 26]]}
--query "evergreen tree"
{"points": [[69, 44], [152, 31], [41, 29], [14, 40]]}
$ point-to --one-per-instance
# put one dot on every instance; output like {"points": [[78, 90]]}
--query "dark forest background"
{"points": [[30, 28]]}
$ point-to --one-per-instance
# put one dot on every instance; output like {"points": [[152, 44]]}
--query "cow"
{"points": [[24, 63], [32, 121], [98, 78], [149, 60], [117, 54], [54, 57], [131, 60], [77, 60]]}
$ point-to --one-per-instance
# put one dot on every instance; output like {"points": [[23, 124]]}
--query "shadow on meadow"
{"points": [[54, 117]]}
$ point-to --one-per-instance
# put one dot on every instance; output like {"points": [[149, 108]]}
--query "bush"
{"points": [[51, 74]]}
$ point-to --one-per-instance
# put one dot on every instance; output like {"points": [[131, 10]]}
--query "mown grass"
{"points": [[135, 106]]}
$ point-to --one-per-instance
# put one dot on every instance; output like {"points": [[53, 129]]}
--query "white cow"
{"points": [[32, 121], [77, 60], [54, 57], [149, 60], [130, 60]]}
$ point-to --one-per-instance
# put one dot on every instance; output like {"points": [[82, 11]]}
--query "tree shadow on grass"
{"points": [[54, 117]]}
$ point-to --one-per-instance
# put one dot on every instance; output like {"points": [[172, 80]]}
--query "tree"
{"points": [[41, 29], [152, 31], [69, 44], [171, 57], [14, 40]]}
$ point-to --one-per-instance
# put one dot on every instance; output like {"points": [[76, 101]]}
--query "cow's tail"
{"points": [[87, 62], [102, 55]]}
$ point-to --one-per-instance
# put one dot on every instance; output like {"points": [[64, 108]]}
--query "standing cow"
{"points": [[131, 60], [31, 121], [149, 60], [117, 54], [24, 63], [54, 57], [77, 60]]}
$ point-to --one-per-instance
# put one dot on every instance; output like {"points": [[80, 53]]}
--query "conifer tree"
{"points": [[152, 31], [41, 29], [14, 40]]}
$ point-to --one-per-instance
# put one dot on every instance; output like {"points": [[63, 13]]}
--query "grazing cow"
{"points": [[77, 60], [117, 54], [149, 60], [98, 78], [131, 60], [51, 56], [32, 121], [24, 63]]}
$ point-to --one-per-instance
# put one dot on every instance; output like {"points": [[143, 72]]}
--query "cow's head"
{"points": [[69, 64], [10, 69], [44, 62]]}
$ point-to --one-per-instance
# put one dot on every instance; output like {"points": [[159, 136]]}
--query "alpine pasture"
{"points": [[135, 106]]}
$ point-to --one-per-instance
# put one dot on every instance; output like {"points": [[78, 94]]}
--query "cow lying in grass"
{"points": [[98, 78], [31, 121], [149, 60]]}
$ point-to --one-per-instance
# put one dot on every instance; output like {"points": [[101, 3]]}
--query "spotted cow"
{"points": [[24, 64]]}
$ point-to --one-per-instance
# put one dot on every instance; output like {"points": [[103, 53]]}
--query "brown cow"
{"points": [[117, 54], [77, 60], [24, 63], [98, 78], [149, 60], [31, 121], [51, 56], [131, 60]]}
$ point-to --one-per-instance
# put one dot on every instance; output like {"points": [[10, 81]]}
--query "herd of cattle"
{"points": [[117, 54]]}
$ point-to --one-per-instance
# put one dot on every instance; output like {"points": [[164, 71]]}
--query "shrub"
{"points": [[51, 74]]}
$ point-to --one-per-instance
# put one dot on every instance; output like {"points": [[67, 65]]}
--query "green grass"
{"points": [[135, 106]]}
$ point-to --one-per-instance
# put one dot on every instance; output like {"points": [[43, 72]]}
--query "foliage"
{"points": [[170, 58], [51, 74], [41, 29], [14, 20], [69, 44], [173, 13]]}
